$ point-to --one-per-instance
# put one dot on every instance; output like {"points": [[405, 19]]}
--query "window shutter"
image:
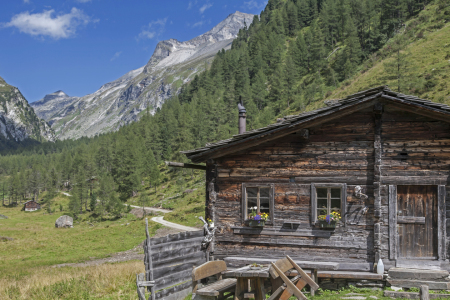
{"points": [[313, 204]]}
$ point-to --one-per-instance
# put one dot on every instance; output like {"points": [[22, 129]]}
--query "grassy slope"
{"points": [[38, 244], [429, 59], [170, 194]]}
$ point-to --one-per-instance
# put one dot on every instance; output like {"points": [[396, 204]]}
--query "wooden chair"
{"points": [[291, 286], [215, 290]]}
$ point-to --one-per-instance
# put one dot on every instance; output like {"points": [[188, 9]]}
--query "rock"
{"points": [[188, 191], [373, 297], [64, 222], [355, 298], [353, 294], [396, 288], [5, 239], [17, 119], [3, 217]]}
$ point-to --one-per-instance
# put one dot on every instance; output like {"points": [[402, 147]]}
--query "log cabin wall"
{"points": [[377, 148], [415, 151], [340, 151]]}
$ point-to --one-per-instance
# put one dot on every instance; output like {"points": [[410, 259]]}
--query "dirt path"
{"points": [[160, 220]]}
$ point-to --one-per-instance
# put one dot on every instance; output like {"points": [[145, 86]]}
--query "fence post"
{"points": [[149, 256], [424, 294]]}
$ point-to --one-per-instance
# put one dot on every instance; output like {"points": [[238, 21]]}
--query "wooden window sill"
{"points": [[279, 231]]}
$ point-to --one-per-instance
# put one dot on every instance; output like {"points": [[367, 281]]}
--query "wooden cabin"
{"points": [[31, 206], [379, 158]]}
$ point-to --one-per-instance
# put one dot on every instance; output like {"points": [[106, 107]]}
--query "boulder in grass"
{"points": [[64, 222], [3, 217]]}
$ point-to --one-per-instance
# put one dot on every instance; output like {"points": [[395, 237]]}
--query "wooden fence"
{"points": [[168, 265]]}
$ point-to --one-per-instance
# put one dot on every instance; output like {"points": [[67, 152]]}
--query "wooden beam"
{"points": [[422, 110], [186, 166]]}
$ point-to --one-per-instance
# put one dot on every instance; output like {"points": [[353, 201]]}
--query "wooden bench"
{"points": [[215, 290]]}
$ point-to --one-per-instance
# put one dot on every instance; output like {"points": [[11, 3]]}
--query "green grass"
{"points": [[38, 243], [336, 295]]}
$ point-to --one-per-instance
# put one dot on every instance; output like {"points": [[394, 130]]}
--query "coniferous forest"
{"points": [[294, 54]]}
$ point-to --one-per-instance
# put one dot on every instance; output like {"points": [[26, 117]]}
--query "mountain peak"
{"points": [[227, 29]]}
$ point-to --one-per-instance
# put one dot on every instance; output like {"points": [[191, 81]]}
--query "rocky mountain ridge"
{"points": [[124, 100], [18, 120], [52, 103]]}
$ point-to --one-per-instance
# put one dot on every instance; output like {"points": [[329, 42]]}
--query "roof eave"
{"points": [[282, 131]]}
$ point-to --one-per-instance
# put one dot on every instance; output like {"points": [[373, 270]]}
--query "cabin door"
{"points": [[417, 208]]}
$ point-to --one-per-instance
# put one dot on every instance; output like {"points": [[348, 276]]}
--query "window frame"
{"points": [[315, 186], [245, 202]]}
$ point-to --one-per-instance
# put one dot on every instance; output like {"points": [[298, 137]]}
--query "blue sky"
{"points": [[78, 45]]}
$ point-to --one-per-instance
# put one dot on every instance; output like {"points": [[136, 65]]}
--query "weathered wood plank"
{"points": [[218, 287], [199, 257], [410, 220], [186, 235], [442, 229], [208, 269], [392, 222], [281, 231], [173, 279], [174, 290]]}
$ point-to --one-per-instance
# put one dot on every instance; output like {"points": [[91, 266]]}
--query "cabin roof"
{"points": [[290, 124], [31, 201]]}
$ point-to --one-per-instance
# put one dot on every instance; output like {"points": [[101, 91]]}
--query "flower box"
{"points": [[326, 225], [253, 223]]}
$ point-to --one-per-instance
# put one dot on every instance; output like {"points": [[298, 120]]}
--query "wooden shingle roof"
{"points": [[294, 123]]}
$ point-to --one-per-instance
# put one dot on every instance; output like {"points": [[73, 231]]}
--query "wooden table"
{"points": [[306, 265], [255, 278]]}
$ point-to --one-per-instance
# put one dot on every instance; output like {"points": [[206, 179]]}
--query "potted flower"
{"points": [[255, 266], [257, 219], [210, 223], [329, 221]]}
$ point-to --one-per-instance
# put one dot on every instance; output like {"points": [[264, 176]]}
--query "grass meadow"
{"points": [[26, 262]]}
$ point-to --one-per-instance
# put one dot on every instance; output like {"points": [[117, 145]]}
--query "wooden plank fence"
{"points": [[168, 264]]}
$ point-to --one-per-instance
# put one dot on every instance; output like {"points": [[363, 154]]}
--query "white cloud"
{"points": [[205, 7], [83, 1], [253, 4], [45, 24], [198, 24], [26, 1], [153, 29], [116, 55]]}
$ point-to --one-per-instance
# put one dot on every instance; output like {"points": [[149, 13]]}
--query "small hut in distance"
{"points": [[31, 206]]}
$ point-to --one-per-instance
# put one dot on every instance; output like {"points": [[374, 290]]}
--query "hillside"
{"points": [[18, 122], [124, 100], [425, 67]]}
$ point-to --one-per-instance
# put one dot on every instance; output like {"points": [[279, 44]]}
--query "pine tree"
{"points": [[317, 49], [93, 201], [259, 89]]}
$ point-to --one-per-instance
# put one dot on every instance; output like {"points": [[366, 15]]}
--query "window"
{"points": [[326, 198], [259, 196]]}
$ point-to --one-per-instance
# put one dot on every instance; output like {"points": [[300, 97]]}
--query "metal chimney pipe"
{"points": [[242, 117]]}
